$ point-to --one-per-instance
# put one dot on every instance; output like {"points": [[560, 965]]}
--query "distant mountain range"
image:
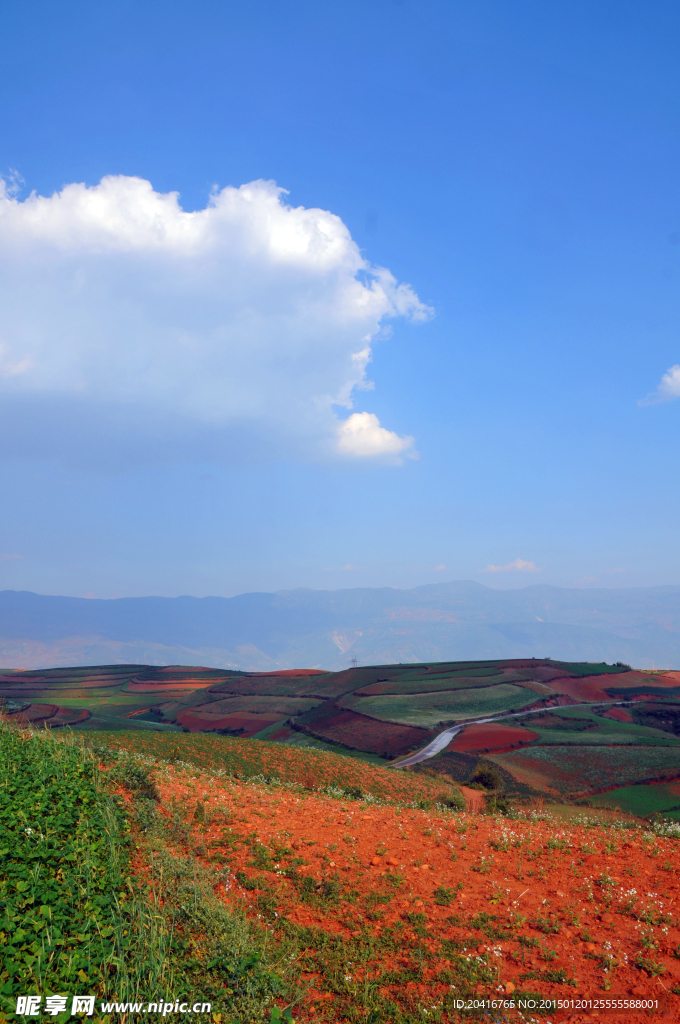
{"points": [[327, 628]]}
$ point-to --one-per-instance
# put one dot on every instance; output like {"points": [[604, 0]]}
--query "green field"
{"points": [[432, 709], [603, 731], [436, 684], [641, 800]]}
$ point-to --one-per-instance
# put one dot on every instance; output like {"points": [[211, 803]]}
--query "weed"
{"points": [[443, 896], [653, 967], [547, 925]]}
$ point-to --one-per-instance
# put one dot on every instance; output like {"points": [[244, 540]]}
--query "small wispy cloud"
{"points": [[439, 568], [668, 389], [519, 565], [10, 558]]}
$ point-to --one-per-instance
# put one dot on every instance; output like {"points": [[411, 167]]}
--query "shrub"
{"points": [[451, 798], [488, 775]]}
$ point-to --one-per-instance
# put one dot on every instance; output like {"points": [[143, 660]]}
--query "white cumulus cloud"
{"points": [[361, 436], [519, 565], [130, 324], [668, 389]]}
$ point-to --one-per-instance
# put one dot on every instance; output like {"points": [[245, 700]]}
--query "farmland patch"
{"points": [[579, 769], [240, 722], [350, 729], [283, 706], [494, 736], [603, 686], [432, 709], [618, 715], [640, 800], [248, 758]]}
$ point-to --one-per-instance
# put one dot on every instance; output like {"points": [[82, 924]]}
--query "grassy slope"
{"points": [[431, 709], [75, 921], [247, 758], [639, 800]]}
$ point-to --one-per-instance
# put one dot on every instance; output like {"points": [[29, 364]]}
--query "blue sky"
{"points": [[177, 394]]}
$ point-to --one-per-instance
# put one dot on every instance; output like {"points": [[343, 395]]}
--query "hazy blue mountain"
{"points": [[325, 629]]}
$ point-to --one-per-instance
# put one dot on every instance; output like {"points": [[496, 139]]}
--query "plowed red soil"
{"points": [[369, 734], [595, 687], [33, 713], [492, 737], [563, 897], [206, 721], [618, 714]]}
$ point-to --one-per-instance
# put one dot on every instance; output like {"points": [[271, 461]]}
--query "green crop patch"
{"points": [[63, 885], [430, 709], [639, 800]]}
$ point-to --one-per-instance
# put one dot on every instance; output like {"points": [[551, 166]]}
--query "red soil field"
{"points": [[618, 715], [205, 721], [426, 850], [362, 733], [494, 737], [33, 713], [69, 716], [594, 688], [279, 735], [51, 713]]}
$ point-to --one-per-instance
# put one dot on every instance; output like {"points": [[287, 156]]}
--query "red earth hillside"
{"points": [[570, 913]]}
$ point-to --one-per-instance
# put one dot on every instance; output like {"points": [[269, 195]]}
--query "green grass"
{"points": [[624, 736], [639, 800], [303, 739], [75, 921], [432, 709], [589, 668], [607, 731], [433, 684], [64, 869]]}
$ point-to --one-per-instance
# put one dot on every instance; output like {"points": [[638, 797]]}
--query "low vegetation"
{"points": [[132, 873]]}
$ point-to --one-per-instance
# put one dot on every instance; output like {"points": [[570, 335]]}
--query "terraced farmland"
{"points": [[384, 712], [431, 710], [578, 770]]}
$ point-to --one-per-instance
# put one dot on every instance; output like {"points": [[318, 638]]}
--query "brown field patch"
{"points": [[594, 688], [205, 721], [33, 713], [358, 732], [69, 716], [618, 715], [494, 736]]}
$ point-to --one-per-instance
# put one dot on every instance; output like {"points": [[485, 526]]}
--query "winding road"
{"points": [[442, 741]]}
